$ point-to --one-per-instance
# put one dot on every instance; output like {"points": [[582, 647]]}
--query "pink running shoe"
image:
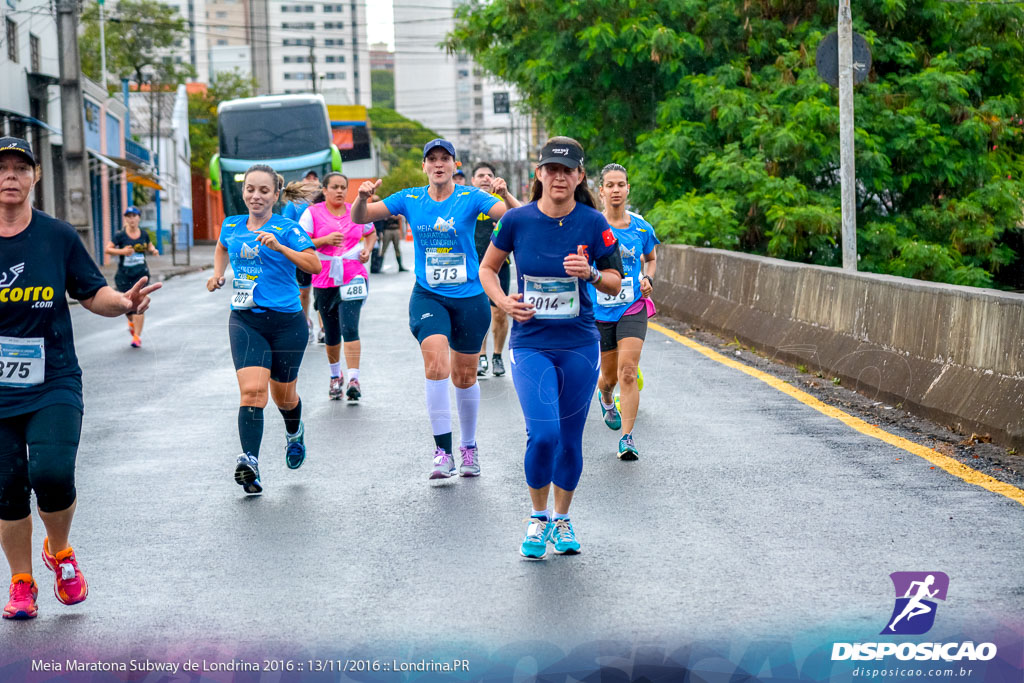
{"points": [[69, 585], [23, 598]]}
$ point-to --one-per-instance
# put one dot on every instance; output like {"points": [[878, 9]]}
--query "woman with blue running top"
{"points": [[622, 316], [267, 328], [560, 243], [448, 310]]}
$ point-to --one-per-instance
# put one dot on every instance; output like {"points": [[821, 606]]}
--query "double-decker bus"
{"points": [[291, 133]]}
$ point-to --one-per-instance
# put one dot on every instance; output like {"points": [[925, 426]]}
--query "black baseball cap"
{"points": [[567, 155], [311, 172], [18, 146], [438, 142], [132, 211]]}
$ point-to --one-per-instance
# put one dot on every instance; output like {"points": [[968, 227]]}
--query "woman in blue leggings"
{"points": [[559, 242]]}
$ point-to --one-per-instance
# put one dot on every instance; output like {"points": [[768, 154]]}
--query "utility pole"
{"points": [[312, 63], [76, 163], [847, 174], [103, 50]]}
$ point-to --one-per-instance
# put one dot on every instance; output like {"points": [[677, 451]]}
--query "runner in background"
{"points": [[42, 263], [459, 177], [131, 245], [622, 316], [484, 178], [292, 210], [342, 284], [448, 310], [266, 326], [560, 243]]}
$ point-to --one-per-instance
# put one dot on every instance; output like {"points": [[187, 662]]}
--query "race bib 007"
{"points": [[241, 294]]}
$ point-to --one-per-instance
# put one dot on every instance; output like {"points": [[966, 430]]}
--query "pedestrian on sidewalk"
{"points": [[41, 259], [130, 245]]}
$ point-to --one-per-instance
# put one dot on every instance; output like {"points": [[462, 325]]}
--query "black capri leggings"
{"points": [[341, 318], [37, 453], [271, 339]]}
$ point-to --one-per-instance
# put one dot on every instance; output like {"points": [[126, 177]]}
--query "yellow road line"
{"points": [[954, 467]]}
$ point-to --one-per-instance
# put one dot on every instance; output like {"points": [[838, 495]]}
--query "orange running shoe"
{"points": [[69, 585], [136, 341], [22, 604]]}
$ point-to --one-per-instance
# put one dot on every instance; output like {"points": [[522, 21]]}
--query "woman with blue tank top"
{"points": [[267, 327], [560, 243], [622, 317], [448, 310]]}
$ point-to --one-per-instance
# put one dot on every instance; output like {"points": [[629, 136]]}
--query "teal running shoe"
{"points": [[627, 448], [535, 543], [295, 453], [612, 417], [564, 537]]}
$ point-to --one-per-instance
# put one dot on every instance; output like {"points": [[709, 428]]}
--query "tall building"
{"points": [[309, 46], [452, 96]]}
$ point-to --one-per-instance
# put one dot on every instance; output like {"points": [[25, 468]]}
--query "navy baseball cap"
{"points": [[460, 172], [567, 155], [132, 211], [438, 142], [18, 146]]}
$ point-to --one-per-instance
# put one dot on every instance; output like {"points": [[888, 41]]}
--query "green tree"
{"points": [[382, 88], [732, 138], [202, 113], [140, 39]]}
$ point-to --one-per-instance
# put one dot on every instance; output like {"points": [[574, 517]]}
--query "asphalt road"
{"points": [[749, 515]]}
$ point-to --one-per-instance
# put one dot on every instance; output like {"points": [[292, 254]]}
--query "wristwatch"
{"points": [[649, 279], [595, 275]]}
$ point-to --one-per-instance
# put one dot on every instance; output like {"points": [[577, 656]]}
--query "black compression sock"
{"points": [[250, 429], [292, 417], [444, 441]]}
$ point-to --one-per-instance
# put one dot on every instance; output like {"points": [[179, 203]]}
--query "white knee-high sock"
{"points": [[468, 401], [439, 406]]}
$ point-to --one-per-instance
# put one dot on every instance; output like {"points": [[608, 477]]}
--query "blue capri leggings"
{"points": [[555, 388]]}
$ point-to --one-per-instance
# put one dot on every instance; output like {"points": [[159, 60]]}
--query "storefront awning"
{"points": [[143, 179], [29, 120], [128, 164], [104, 160]]}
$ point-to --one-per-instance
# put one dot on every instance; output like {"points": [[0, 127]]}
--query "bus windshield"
{"points": [[272, 131]]}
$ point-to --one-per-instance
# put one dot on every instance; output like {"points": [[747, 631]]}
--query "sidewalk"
{"points": [[161, 268]]}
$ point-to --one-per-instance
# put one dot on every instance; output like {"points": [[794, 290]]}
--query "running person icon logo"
{"points": [[914, 612]]}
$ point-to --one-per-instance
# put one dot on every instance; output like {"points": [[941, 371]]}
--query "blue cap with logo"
{"points": [[132, 211], [438, 142], [18, 146]]}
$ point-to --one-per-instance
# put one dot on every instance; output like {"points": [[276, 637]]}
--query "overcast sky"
{"points": [[379, 29]]}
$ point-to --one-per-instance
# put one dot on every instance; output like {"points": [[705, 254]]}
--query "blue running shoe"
{"points": [[247, 474], [564, 537], [444, 465], [627, 448], [535, 543], [295, 453], [611, 416]]}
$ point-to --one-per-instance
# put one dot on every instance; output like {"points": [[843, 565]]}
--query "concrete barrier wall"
{"points": [[952, 354]]}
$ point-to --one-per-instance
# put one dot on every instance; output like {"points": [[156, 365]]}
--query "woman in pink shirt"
{"points": [[341, 286]]}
